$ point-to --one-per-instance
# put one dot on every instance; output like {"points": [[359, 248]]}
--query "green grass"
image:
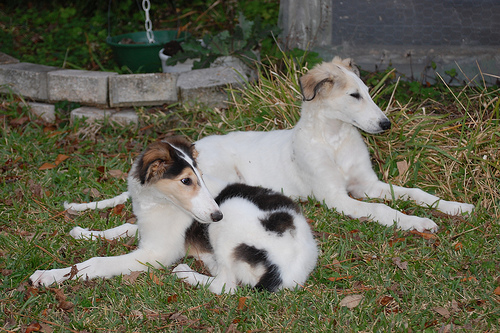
{"points": [[409, 281]]}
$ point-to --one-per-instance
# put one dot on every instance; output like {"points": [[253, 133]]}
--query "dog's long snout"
{"points": [[216, 216], [385, 124]]}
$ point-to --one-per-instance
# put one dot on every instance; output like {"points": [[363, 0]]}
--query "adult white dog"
{"points": [[324, 155]]}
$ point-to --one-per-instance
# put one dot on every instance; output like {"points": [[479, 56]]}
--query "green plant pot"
{"points": [[134, 51]]}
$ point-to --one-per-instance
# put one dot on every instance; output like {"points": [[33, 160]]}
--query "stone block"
{"points": [[125, 117], [206, 86], [86, 87], [26, 79], [92, 114], [45, 111], [7, 59], [142, 89]]}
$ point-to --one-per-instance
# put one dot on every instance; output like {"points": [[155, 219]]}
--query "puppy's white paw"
{"points": [[182, 271], [418, 223], [42, 278]]}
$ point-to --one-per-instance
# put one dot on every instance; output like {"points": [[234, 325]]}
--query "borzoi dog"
{"points": [[257, 237], [323, 156]]}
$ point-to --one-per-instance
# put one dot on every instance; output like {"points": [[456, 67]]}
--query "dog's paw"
{"points": [[80, 233], [182, 271], [418, 223], [42, 278], [455, 208]]}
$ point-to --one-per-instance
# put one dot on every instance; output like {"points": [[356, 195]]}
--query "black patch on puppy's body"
{"points": [[271, 279], [278, 222], [196, 238], [265, 199]]}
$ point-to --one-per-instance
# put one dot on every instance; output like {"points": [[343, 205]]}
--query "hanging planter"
{"points": [[134, 50], [139, 50]]}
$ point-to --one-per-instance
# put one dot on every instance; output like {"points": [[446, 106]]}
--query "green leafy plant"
{"points": [[241, 42]]}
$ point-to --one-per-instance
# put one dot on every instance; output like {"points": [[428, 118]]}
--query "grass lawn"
{"points": [[368, 278]]}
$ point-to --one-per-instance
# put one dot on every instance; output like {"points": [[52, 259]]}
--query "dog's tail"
{"points": [[98, 204]]}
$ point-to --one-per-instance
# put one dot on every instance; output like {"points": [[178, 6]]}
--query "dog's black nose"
{"points": [[385, 124], [217, 216]]}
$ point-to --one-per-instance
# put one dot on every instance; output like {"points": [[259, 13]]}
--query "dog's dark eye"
{"points": [[356, 95], [186, 181]]}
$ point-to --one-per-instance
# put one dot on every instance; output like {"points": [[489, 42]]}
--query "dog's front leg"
{"points": [[380, 213], [386, 191], [105, 267], [124, 230]]}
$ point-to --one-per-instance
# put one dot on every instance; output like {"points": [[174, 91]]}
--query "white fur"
{"points": [[323, 156], [162, 223], [294, 252]]}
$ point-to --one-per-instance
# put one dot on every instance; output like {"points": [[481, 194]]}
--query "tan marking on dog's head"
{"points": [[319, 81], [181, 189], [169, 167]]}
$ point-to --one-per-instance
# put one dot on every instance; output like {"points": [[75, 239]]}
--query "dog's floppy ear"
{"points": [[349, 63], [154, 162], [311, 84], [193, 151]]}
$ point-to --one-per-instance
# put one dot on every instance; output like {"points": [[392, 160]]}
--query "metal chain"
{"points": [[148, 24]]}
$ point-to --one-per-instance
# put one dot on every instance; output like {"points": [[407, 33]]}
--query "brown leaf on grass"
{"points": [[241, 303], [131, 278], [118, 174], [94, 193], [389, 304], [64, 304], [46, 166], [60, 158], [497, 291], [454, 306], [351, 301], [19, 121], [118, 209], [401, 265], [172, 298], [33, 327], [425, 235], [155, 279], [392, 242], [458, 246], [468, 278], [443, 312], [402, 167]]}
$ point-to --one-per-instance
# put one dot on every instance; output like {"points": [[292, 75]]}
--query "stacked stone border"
{"points": [[113, 95]]}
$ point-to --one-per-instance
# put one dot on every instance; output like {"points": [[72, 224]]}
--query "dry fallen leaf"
{"points": [[46, 166], [241, 303], [402, 167], [60, 158], [442, 311], [33, 327], [425, 235], [155, 279], [130, 278], [117, 174], [351, 301], [402, 265], [497, 291]]}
